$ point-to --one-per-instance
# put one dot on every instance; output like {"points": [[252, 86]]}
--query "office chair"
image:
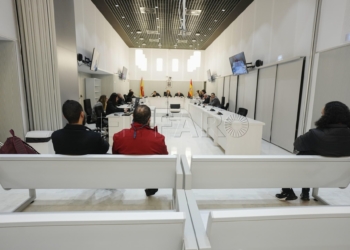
{"points": [[226, 106], [242, 111], [88, 110], [101, 122]]}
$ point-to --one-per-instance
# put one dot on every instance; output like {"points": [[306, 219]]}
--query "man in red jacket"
{"points": [[140, 139]]}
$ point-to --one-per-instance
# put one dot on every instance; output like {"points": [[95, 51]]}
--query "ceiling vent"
{"points": [[193, 12], [154, 40], [145, 10], [152, 32], [181, 41]]}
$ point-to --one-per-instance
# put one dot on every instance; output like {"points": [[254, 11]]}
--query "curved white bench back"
{"points": [[302, 228], [226, 172], [91, 231], [88, 171]]}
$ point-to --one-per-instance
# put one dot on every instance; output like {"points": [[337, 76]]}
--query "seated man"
{"points": [[206, 99], [155, 94], [140, 139], [75, 138], [214, 101], [179, 94]]}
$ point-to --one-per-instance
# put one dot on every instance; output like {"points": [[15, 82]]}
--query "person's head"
{"points": [[73, 112], [168, 91], [120, 97], [103, 99], [212, 95], [203, 91], [334, 113], [205, 96], [113, 98], [154, 92], [142, 114], [178, 92], [198, 91], [130, 91]]}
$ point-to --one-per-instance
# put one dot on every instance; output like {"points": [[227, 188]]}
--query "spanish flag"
{"points": [[190, 92], [142, 90]]}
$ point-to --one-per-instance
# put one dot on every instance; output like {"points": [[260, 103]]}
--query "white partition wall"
{"points": [[233, 93], [247, 92], [265, 98], [286, 104], [220, 83]]}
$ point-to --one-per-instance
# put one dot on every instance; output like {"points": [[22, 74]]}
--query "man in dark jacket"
{"points": [[75, 138], [214, 101], [179, 94], [206, 99], [140, 139], [331, 138]]}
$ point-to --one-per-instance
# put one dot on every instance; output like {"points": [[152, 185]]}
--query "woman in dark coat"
{"points": [[331, 138], [112, 104]]}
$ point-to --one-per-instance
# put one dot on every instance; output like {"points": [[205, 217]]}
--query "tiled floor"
{"points": [[182, 137]]}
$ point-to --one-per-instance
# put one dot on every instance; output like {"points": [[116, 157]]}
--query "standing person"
{"points": [[331, 138], [112, 104], [75, 138], [140, 139], [102, 102]]}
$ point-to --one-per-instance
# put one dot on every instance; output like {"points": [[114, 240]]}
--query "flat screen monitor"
{"points": [[95, 60], [238, 64], [209, 75], [125, 71]]}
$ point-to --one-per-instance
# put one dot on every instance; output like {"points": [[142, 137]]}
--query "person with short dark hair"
{"points": [[75, 138], [206, 99], [112, 104], [331, 138], [155, 94], [214, 101], [140, 139], [129, 96], [179, 94]]}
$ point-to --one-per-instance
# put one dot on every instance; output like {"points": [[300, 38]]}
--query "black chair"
{"points": [[175, 108], [242, 111], [88, 110], [226, 106]]}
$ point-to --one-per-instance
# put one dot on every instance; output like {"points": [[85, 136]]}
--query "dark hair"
{"points": [[142, 113], [203, 90], [213, 94], [334, 113], [71, 110], [112, 98]]}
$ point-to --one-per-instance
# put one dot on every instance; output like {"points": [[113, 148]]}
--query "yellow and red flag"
{"points": [[142, 90], [190, 92]]}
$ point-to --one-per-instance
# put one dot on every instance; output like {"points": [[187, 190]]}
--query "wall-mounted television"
{"points": [[95, 60], [125, 71], [238, 64], [211, 78]]}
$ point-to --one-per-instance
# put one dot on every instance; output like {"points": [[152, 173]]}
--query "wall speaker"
{"points": [[259, 63]]}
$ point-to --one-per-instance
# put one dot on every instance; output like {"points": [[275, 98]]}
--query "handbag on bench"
{"points": [[14, 145]]}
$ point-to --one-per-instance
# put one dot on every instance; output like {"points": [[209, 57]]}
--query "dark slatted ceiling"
{"points": [[126, 18]]}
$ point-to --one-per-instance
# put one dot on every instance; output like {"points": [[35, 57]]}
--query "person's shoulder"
{"points": [[57, 133]]}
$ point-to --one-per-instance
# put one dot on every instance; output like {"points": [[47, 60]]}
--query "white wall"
{"points": [[167, 55], [334, 24], [265, 30], [8, 27], [94, 31]]}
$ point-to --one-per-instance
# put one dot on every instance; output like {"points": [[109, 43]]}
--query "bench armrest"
{"points": [[201, 234], [187, 173], [190, 242], [179, 174]]}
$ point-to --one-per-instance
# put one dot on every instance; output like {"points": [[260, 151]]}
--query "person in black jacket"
{"points": [[75, 138], [206, 99], [179, 94], [331, 138], [155, 94], [112, 104], [129, 96]]}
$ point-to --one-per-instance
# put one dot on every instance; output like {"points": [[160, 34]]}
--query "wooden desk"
{"points": [[214, 125]]}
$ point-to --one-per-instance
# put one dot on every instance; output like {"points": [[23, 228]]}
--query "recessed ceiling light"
{"points": [[123, 16], [205, 35], [138, 31], [157, 18], [137, 42], [132, 32], [156, 7], [193, 40], [134, 37], [157, 26], [202, 40], [190, 45], [198, 34], [223, 9], [143, 44], [127, 25], [141, 38], [209, 28], [116, 5], [215, 20]]}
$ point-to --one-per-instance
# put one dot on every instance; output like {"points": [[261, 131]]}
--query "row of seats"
{"points": [[326, 227]]}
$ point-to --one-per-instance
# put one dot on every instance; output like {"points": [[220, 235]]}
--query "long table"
{"points": [[237, 135], [163, 102]]}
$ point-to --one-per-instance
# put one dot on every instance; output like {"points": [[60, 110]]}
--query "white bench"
{"points": [[89, 172], [97, 171], [92, 230], [301, 228], [232, 172]]}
